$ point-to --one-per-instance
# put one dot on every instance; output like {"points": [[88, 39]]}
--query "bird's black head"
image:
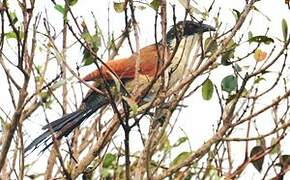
{"points": [[187, 28]]}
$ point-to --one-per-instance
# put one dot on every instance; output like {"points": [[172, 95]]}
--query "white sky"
{"points": [[196, 120]]}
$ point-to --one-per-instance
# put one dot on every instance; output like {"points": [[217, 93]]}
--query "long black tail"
{"points": [[66, 124]]}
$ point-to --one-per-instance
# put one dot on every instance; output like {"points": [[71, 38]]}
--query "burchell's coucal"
{"points": [[124, 69]]}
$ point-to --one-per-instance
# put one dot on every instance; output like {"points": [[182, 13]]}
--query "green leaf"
{"points": [[261, 12], [226, 61], [207, 89], [12, 35], [285, 29], [59, 8], [119, 6], [155, 4], [189, 176], [181, 157], [258, 163], [2, 122], [229, 53], [245, 93], [266, 72], [86, 36], [109, 160], [261, 142], [237, 14], [229, 83], [276, 146], [72, 2], [112, 44], [48, 103], [259, 79], [261, 39], [250, 34], [94, 42], [13, 17], [180, 141], [46, 99], [210, 44], [132, 104], [106, 172], [87, 59], [164, 143], [237, 67]]}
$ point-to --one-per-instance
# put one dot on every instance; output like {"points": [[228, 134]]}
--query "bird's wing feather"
{"points": [[125, 68]]}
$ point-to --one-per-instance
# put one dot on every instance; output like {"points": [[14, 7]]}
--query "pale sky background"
{"points": [[198, 119]]}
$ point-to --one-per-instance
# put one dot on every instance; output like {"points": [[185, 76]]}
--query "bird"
{"points": [[124, 70]]}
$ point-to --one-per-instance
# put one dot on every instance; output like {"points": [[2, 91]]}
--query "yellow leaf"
{"points": [[260, 55]]}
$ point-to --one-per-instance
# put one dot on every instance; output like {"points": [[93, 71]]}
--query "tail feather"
{"points": [[59, 123], [66, 124], [35, 143], [55, 127], [68, 127]]}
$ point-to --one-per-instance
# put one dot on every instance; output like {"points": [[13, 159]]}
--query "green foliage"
{"points": [[229, 83], [276, 146], [72, 2], [2, 122], [13, 17], [237, 14], [93, 43], [46, 99], [132, 104], [164, 143], [259, 79], [109, 165], [12, 35], [258, 163], [250, 34], [106, 173], [181, 157], [109, 160], [59, 8], [119, 6], [210, 44], [180, 141], [285, 29], [256, 9], [237, 67], [155, 4], [207, 89], [229, 53], [261, 39], [111, 43]]}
